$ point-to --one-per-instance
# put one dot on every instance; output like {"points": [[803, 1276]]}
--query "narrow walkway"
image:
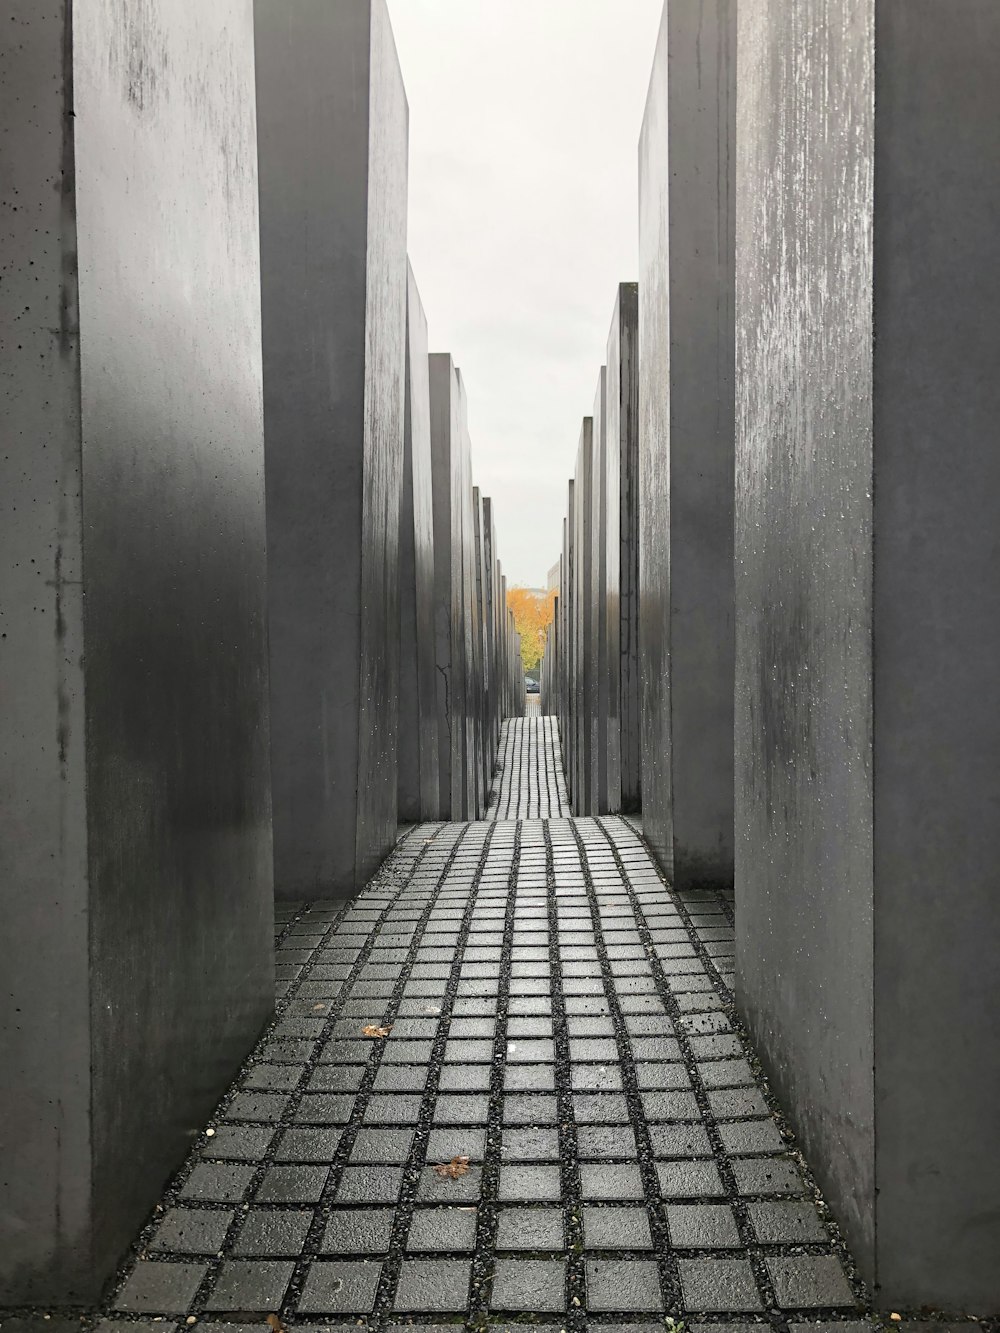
{"points": [[504, 1084], [530, 783]]}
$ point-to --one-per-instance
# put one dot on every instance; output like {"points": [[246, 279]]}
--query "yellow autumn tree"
{"points": [[533, 612]]}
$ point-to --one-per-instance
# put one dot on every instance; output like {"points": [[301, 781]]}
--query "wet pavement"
{"points": [[504, 1086]]}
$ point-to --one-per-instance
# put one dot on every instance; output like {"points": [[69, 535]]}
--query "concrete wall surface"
{"points": [[418, 780], [867, 785], [583, 620], [687, 222], [622, 551], [135, 845], [333, 269], [598, 706]]}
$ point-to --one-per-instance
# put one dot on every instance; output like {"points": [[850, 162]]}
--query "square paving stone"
{"points": [[160, 1288], [292, 1184], [340, 1288], [540, 1109], [442, 1229], [465, 1078], [452, 1109], [308, 1145], [212, 1182], [529, 1183], [468, 1052], [623, 1285], [192, 1231], [530, 1229], [751, 1136], [786, 1223], [601, 1141], [358, 1231], [657, 1075], [431, 1286], [726, 1074], [529, 1078], [530, 1050], [272, 1233], [702, 1226], [593, 1048], [528, 1027], [400, 1078], [595, 1078], [386, 1109], [679, 1141], [530, 1145], [689, 1180], [766, 1175], [239, 1143], [324, 1109], [606, 1180], [809, 1281], [444, 1144], [616, 1229], [737, 1104], [529, 1284], [670, 1106], [435, 1188], [600, 1109], [369, 1184], [387, 1147], [250, 1284], [712, 1286], [336, 1078]]}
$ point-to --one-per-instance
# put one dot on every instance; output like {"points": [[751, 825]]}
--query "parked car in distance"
{"points": [[530, 686]]}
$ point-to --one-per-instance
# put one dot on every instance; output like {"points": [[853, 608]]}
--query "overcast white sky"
{"points": [[524, 126]]}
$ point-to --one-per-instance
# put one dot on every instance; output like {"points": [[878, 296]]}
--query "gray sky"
{"points": [[524, 126]]}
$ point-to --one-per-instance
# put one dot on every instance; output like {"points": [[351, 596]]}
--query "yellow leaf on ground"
{"points": [[458, 1166], [373, 1030]]}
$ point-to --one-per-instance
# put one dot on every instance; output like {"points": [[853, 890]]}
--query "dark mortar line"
{"points": [[670, 1286], [404, 1207], [569, 1160], [748, 1240], [484, 1252]]}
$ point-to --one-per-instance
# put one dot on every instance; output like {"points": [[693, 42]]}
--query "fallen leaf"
{"points": [[319, 1008], [373, 1030], [458, 1166], [276, 1323]]}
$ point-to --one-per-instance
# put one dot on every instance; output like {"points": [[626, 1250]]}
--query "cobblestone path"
{"points": [[503, 1087], [530, 783]]}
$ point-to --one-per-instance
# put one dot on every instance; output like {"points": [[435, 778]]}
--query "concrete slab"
{"points": [[867, 782], [599, 684], [332, 142], [686, 640], [135, 843], [418, 780], [622, 551]]}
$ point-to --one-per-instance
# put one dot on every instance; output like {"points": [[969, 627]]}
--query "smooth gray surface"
{"points": [[599, 684], [583, 660], [622, 554], [867, 781], [687, 222], [135, 846], [419, 784], [332, 136], [449, 651], [936, 645]]}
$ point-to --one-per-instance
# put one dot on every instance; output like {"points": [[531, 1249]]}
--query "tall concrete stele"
{"points": [[686, 459], [418, 781], [868, 596], [135, 838], [334, 285]]}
